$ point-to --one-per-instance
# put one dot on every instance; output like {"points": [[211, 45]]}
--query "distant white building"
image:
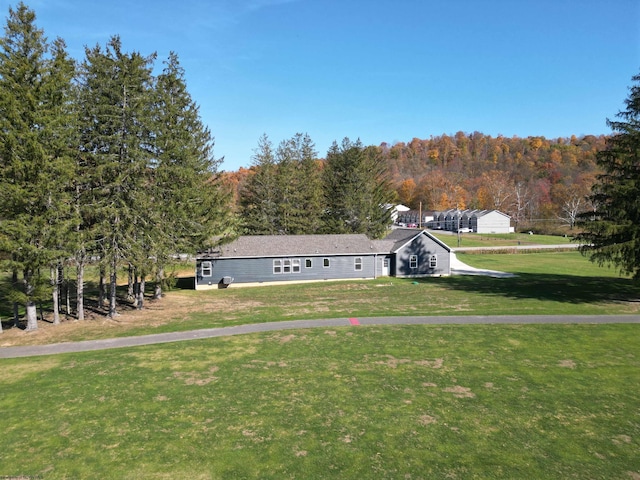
{"points": [[490, 221], [477, 221], [396, 211]]}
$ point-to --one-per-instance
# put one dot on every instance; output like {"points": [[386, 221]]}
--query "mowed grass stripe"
{"points": [[466, 401]]}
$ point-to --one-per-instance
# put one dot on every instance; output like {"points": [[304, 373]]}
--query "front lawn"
{"points": [[402, 402]]}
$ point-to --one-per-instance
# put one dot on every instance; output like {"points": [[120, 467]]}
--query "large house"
{"points": [[266, 259]]}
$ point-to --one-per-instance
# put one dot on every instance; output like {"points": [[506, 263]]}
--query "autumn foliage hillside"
{"points": [[541, 183]]}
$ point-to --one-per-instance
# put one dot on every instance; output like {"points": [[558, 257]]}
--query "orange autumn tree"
{"points": [[407, 193]]}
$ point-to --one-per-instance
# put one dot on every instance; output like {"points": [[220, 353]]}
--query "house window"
{"points": [[295, 265], [413, 261], [286, 266], [277, 267], [433, 261], [308, 263], [358, 263], [205, 269], [326, 263]]}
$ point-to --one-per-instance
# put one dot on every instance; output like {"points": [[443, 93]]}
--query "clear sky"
{"points": [[378, 70]]}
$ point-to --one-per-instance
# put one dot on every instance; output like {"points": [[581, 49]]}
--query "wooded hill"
{"points": [[541, 183], [535, 180]]}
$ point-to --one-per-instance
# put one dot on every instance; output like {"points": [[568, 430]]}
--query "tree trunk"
{"points": [[32, 309], [68, 299], [32, 316], [112, 289], [16, 314], [80, 288], [157, 293], [63, 293], [16, 307], [131, 287], [102, 288], [55, 295], [134, 287], [141, 287]]}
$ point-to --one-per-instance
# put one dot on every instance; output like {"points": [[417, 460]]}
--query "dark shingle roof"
{"points": [[399, 237], [289, 245]]}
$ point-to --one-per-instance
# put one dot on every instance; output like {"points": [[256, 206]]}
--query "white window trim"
{"points": [[433, 261], [285, 266], [308, 263], [413, 261], [357, 264], [326, 262], [206, 267], [295, 265]]}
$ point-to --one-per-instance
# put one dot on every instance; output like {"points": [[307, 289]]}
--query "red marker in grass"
{"points": [[354, 321]]}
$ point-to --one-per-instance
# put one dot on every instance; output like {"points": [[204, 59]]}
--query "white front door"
{"points": [[384, 271]]}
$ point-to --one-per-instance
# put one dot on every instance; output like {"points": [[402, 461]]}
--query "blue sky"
{"points": [[378, 70]]}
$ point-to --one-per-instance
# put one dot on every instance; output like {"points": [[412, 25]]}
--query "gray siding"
{"points": [[423, 248], [259, 270], [384, 265]]}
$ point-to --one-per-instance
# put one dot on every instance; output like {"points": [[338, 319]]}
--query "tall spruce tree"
{"points": [[259, 198], [611, 233], [283, 194], [357, 190], [299, 185], [60, 137], [34, 153], [189, 208], [115, 116]]}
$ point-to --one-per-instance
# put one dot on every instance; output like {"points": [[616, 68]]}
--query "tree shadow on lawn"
{"points": [[557, 288], [185, 283]]}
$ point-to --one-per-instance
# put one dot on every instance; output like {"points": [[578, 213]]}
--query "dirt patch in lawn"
{"points": [[426, 420], [175, 307], [460, 392], [567, 364]]}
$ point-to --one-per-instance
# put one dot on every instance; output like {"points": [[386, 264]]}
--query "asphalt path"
{"points": [[91, 345]]}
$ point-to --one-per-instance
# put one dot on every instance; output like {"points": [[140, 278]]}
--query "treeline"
{"points": [[288, 191], [542, 184], [100, 161], [537, 181]]}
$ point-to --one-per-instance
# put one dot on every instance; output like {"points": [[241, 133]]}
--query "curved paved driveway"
{"points": [[89, 345]]}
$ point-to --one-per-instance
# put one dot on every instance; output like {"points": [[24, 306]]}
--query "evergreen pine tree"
{"points": [[283, 194], [299, 185], [60, 138], [189, 207], [611, 233], [115, 116], [34, 143], [259, 198], [357, 190]]}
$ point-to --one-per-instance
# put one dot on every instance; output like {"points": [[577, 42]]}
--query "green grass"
{"points": [[551, 283], [501, 239], [403, 402]]}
